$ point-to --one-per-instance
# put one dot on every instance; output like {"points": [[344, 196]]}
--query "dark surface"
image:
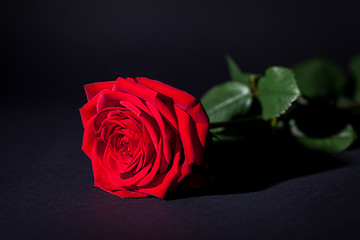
{"points": [[46, 192]]}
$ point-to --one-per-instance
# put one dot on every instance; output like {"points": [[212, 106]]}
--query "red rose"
{"points": [[142, 136]]}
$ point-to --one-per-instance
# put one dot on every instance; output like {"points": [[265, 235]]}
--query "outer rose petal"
{"points": [[89, 137], [94, 88], [181, 98], [89, 109], [129, 86], [113, 99], [201, 120], [128, 194], [189, 138]]}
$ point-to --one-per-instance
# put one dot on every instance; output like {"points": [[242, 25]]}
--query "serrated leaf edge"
{"points": [[297, 91]]}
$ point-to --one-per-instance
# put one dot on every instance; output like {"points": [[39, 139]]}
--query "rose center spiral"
{"points": [[124, 146], [124, 141]]}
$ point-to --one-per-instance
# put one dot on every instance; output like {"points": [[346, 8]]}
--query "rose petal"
{"points": [[152, 129], [100, 173], [129, 86], [180, 98], [148, 150], [120, 192], [89, 109], [168, 138], [166, 182], [189, 137], [128, 194], [150, 176], [130, 182], [94, 88], [89, 137], [148, 95], [113, 99], [201, 120]]}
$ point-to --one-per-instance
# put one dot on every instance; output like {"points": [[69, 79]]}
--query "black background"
{"points": [[50, 49], [53, 48]]}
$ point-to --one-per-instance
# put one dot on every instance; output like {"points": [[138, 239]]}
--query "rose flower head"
{"points": [[143, 137]]}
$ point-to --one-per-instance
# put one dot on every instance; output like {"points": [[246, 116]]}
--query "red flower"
{"points": [[142, 136]]}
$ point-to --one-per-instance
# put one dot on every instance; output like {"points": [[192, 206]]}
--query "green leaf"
{"points": [[226, 100], [331, 144], [235, 73], [354, 67], [318, 78], [221, 137], [276, 91]]}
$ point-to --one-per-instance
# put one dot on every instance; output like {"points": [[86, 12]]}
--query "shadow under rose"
{"points": [[234, 167]]}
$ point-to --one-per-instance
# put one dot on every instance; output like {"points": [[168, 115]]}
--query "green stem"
{"points": [[253, 85], [350, 107], [273, 122], [234, 122]]}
